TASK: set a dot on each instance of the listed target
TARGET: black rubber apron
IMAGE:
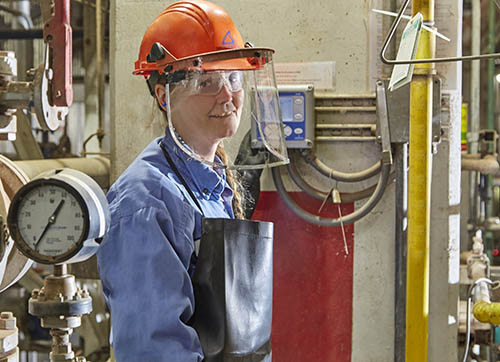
(233, 287)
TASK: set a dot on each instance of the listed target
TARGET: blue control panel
(297, 114)
(293, 111)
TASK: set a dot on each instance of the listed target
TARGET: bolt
(7, 321)
(58, 94)
(6, 315)
(63, 348)
(34, 293)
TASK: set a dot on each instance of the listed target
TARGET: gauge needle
(52, 219)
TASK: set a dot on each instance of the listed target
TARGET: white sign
(319, 74)
(402, 73)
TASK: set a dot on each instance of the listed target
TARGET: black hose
(314, 161)
(347, 219)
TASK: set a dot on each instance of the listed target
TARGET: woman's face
(209, 110)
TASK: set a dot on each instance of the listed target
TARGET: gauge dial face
(51, 222)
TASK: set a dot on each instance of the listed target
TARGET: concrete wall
(299, 31)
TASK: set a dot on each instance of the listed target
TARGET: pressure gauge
(57, 217)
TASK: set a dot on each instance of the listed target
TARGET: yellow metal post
(419, 190)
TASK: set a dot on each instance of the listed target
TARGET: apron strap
(181, 179)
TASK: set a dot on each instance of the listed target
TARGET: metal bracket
(436, 111)
(383, 123)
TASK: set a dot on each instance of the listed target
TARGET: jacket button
(205, 191)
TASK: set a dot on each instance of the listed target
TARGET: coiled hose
(320, 195)
(311, 158)
(318, 220)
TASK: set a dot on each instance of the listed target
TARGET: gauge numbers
(50, 220)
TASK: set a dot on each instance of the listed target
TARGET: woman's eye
(234, 77)
(205, 83)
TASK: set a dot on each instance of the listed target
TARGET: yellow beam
(419, 191)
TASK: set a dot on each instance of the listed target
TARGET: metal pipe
(401, 249)
(345, 138)
(475, 87)
(31, 34)
(491, 66)
(100, 70)
(419, 187)
(97, 167)
(371, 126)
(345, 109)
(491, 112)
(344, 96)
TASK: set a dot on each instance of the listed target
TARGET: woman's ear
(160, 96)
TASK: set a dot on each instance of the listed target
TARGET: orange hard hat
(189, 29)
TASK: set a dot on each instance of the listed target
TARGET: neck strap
(181, 179)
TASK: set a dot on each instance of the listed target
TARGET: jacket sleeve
(143, 264)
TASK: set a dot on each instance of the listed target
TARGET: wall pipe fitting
(311, 158)
(347, 219)
(419, 192)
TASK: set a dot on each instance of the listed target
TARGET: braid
(233, 182)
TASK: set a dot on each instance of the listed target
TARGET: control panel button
(298, 116)
(298, 100)
(298, 131)
(288, 131)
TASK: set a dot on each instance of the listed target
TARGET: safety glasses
(211, 82)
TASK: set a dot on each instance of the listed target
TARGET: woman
(180, 190)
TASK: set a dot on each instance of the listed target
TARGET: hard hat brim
(232, 59)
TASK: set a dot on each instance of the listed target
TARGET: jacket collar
(207, 181)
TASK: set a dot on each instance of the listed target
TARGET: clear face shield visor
(228, 97)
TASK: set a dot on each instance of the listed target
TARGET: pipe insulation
(487, 165)
(95, 167)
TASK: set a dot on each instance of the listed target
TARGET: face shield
(213, 97)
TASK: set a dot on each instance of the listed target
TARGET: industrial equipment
(56, 219)
(297, 113)
(77, 213)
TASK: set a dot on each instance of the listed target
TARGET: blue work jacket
(146, 259)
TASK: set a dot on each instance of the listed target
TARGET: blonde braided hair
(233, 180)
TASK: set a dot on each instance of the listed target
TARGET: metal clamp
(383, 124)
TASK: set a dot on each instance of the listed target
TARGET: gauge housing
(91, 203)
